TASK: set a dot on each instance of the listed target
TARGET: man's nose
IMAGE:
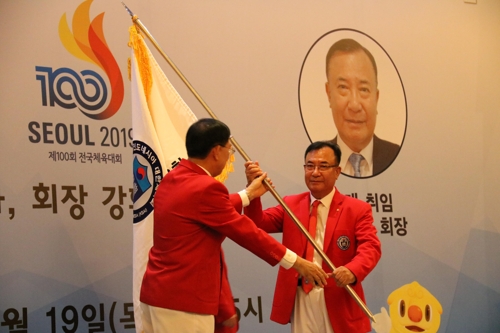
(354, 103)
(316, 171)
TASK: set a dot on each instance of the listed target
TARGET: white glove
(382, 322)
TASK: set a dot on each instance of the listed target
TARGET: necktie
(313, 218)
(355, 160)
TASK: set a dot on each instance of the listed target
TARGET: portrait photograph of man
(368, 128)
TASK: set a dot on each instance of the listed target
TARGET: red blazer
(193, 215)
(348, 219)
(226, 300)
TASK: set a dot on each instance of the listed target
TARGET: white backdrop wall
(73, 272)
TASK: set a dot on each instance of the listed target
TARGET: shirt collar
(326, 200)
(367, 153)
(208, 173)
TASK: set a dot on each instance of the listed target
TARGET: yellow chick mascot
(412, 308)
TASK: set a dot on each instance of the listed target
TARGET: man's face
(320, 183)
(353, 96)
(223, 156)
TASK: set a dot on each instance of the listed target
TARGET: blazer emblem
(343, 243)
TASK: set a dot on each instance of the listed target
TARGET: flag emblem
(141, 179)
(148, 174)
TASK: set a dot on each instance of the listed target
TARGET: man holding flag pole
(160, 119)
(173, 298)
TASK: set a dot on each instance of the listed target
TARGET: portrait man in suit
(342, 226)
(352, 90)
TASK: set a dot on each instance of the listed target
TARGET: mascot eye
(427, 313)
(402, 308)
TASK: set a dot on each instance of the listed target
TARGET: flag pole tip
(127, 9)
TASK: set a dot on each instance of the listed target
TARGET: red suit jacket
(193, 214)
(350, 241)
(226, 299)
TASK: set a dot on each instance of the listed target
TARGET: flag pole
(137, 22)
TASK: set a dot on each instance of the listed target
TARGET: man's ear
(339, 170)
(215, 152)
(327, 90)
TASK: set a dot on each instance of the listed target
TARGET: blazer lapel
(303, 216)
(333, 218)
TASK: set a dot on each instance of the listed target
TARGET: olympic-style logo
(55, 84)
(86, 90)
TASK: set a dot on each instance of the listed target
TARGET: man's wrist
(289, 259)
(248, 195)
(244, 198)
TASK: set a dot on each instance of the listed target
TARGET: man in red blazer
(346, 234)
(185, 276)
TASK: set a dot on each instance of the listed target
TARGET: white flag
(160, 120)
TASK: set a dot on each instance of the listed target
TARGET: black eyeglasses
(321, 167)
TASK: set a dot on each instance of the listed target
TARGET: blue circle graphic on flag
(148, 174)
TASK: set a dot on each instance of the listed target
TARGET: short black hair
(205, 134)
(349, 46)
(317, 145)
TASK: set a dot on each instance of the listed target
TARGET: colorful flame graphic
(87, 43)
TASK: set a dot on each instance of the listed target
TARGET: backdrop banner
(67, 151)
